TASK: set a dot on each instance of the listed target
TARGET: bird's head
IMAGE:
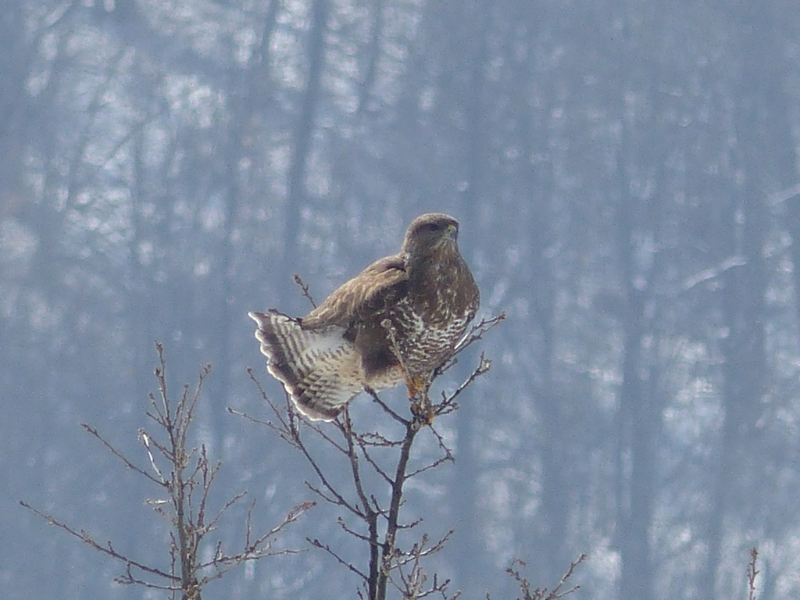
(431, 232)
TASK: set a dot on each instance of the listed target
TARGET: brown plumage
(397, 320)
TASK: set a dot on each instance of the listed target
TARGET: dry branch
(184, 476)
(752, 574)
(543, 593)
(375, 509)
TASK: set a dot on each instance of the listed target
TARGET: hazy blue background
(626, 178)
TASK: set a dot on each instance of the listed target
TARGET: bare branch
(385, 406)
(544, 593)
(145, 440)
(373, 456)
(477, 332)
(359, 536)
(107, 548)
(254, 549)
(289, 432)
(213, 522)
(299, 281)
(443, 459)
(388, 546)
(317, 544)
(785, 195)
(713, 272)
(92, 431)
(363, 443)
(448, 405)
(410, 579)
(188, 475)
(370, 515)
(337, 501)
(752, 574)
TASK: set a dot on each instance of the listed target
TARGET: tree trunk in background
(764, 155)
(302, 143)
(14, 71)
(545, 545)
(744, 368)
(635, 456)
(544, 541)
(744, 230)
(248, 100)
(373, 55)
(766, 83)
(471, 556)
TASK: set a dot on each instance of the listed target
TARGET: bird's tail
(319, 368)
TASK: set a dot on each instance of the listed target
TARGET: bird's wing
(358, 295)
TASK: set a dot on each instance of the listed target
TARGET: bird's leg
(421, 406)
(416, 385)
(412, 384)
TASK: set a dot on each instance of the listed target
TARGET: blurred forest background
(626, 178)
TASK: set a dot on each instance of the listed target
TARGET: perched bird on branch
(398, 320)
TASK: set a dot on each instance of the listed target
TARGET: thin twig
(363, 455)
(188, 475)
(299, 281)
(372, 394)
(544, 593)
(752, 574)
(107, 548)
(317, 544)
(92, 431)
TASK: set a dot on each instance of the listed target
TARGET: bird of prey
(398, 320)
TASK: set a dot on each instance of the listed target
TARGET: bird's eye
(433, 227)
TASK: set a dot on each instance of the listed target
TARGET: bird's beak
(452, 232)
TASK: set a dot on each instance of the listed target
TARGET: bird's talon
(423, 411)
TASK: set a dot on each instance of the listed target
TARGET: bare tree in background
(563, 588)
(184, 475)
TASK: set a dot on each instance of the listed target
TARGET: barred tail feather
(319, 368)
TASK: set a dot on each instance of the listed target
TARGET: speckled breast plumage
(428, 333)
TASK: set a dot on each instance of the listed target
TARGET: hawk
(398, 320)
